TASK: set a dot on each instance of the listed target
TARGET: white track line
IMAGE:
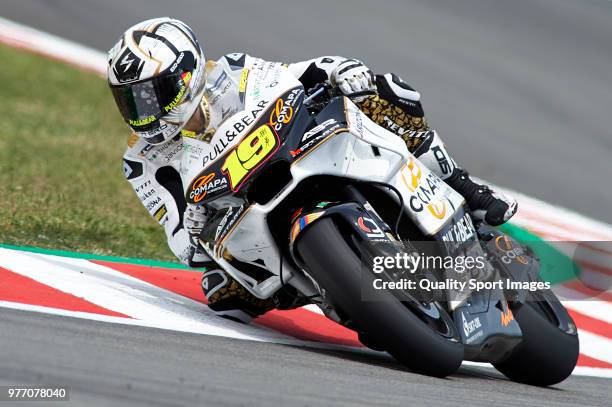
(555, 232)
(595, 346)
(21, 36)
(578, 370)
(547, 212)
(127, 295)
(152, 324)
(595, 280)
(593, 372)
(595, 309)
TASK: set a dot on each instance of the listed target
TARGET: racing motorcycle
(308, 191)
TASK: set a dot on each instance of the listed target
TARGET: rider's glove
(197, 257)
(195, 218)
(352, 76)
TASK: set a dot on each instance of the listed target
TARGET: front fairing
(208, 166)
(338, 141)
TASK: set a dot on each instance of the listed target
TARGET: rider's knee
(432, 152)
(229, 299)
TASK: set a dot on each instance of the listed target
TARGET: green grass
(61, 177)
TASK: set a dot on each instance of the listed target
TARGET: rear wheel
(334, 264)
(547, 355)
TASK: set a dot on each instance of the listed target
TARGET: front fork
(356, 212)
(361, 218)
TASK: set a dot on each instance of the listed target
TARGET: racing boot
(485, 204)
(226, 297)
(230, 300)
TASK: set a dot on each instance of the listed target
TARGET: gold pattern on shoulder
(132, 140)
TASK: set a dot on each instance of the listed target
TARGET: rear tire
(335, 266)
(546, 356)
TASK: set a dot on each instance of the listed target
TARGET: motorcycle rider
(166, 90)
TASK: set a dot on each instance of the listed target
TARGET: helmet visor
(142, 104)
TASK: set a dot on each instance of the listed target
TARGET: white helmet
(157, 74)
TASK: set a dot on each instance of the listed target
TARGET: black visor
(143, 103)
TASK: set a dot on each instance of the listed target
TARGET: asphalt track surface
(521, 91)
(106, 364)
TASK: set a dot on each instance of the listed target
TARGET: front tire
(546, 356)
(335, 266)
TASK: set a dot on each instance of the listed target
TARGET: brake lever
(361, 94)
(333, 91)
(310, 98)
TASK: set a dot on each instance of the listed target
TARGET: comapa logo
(281, 114)
(205, 184)
(283, 110)
(511, 252)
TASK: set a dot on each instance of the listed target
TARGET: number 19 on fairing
(250, 153)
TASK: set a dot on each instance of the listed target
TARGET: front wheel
(332, 262)
(546, 355)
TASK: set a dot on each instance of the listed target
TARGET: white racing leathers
(153, 173)
(154, 170)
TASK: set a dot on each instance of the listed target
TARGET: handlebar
(314, 94)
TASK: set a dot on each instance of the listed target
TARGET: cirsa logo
(437, 209)
(506, 317)
(411, 174)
